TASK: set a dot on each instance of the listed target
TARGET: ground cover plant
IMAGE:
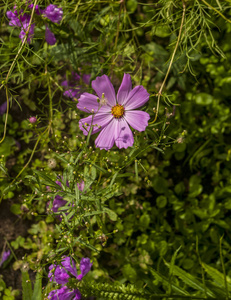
(115, 149)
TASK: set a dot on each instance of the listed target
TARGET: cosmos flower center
(117, 111)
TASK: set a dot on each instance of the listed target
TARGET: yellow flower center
(117, 111)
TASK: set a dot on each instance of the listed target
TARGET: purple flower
(64, 293)
(85, 267)
(5, 256)
(49, 36)
(59, 202)
(60, 274)
(3, 108)
(38, 11)
(75, 89)
(24, 29)
(112, 115)
(53, 13)
(17, 18)
(32, 120)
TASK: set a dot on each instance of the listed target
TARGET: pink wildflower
(112, 115)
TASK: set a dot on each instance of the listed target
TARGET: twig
(171, 62)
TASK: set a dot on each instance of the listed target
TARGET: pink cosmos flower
(112, 115)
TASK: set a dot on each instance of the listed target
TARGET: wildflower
(24, 29)
(17, 19)
(53, 13)
(75, 89)
(64, 293)
(3, 108)
(59, 202)
(38, 11)
(49, 36)
(33, 120)
(60, 274)
(85, 267)
(22, 20)
(5, 256)
(116, 114)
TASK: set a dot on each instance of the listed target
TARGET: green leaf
(165, 281)
(112, 215)
(203, 99)
(190, 280)
(37, 293)
(26, 286)
(217, 276)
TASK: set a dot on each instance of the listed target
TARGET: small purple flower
(75, 89)
(5, 256)
(85, 267)
(17, 19)
(59, 202)
(38, 11)
(59, 274)
(49, 36)
(64, 293)
(53, 13)
(33, 120)
(112, 115)
(3, 108)
(24, 29)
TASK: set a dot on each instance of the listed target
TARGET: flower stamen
(117, 111)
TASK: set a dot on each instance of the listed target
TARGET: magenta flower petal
(125, 88)
(64, 293)
(123, 135)
(105, 139)
(24, 30)
(137, 119)
(81, 186)
(103, 85)
(3, 108)
(69, 265)
(87, 102)
(50, 37)
(72, 93)
(5, 256)
(85, 267)
(86, 78)
(101, 120)
(60, 275)
(53, 13)
(136, 98)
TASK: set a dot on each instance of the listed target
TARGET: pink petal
(87, 102)
(125, 88)
(123, 135)
(99, 119)
(105, 139)
(137, 119)
(136, 98)
(103, 85)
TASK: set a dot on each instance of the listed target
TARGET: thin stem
(217, 11)
(11, 69)
(170, 64)
(32, 154)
